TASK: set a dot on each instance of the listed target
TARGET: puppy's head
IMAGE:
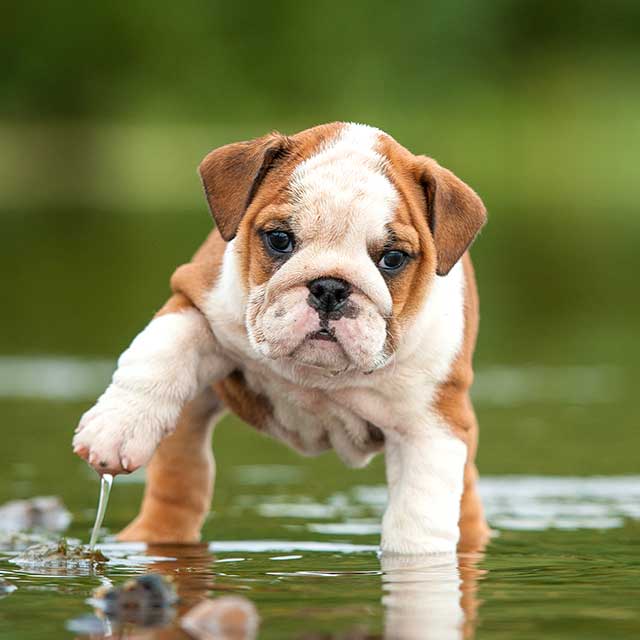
(339, 232)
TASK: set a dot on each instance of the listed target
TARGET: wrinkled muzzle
(295, 324)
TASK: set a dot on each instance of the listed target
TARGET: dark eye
(279, 241)
(393, 260)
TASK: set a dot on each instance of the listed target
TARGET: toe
(81, 450)
(105, 463)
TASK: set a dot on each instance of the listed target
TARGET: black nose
(328, 294)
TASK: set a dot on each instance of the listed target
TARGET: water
(556, 399)
(106, 480)
(564, 563)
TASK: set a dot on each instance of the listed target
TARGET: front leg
(425, 470)
(179, 478)
(166, 366)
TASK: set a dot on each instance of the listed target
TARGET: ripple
(518, 503)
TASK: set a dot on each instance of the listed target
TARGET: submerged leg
(180, 476)
(434, 504)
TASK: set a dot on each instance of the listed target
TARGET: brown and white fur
(239, 333)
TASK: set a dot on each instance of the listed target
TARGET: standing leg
(180, 478)
(425, 476)
(433, 505)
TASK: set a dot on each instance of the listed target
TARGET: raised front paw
(121, 432)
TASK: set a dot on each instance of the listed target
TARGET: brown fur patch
(249, 406)
(454, 404)
(455, 212)
(271, 200)
(176, 303)
(232, 174)
(453, 396)
(409, 288)
(179, 483)
(198, 277)
(192, 281)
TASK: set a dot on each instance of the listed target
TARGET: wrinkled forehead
(341, 193)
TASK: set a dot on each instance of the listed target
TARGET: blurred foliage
(113, 104)
(288, 60)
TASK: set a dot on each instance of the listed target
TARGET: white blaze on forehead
(341, 192)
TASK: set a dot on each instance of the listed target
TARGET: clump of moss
(6, 587)
(61, 553)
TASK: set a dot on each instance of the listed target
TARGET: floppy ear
(455, 212)
(232, 174)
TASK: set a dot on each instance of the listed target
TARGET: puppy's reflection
(431, 596)
(189, 566)
(424, 597)
(190, 569)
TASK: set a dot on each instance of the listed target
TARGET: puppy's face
(335, 243)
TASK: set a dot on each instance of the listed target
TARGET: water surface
(563, 562)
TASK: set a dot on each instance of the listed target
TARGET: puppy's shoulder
(197, 278)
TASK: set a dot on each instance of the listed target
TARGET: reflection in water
(350, 593)
(333, 585)
(431, 596)
(231, 617)
(189, 567)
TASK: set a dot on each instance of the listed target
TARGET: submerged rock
(224, 618)
(146, 601)
(47, 513)
(88, 625)
(60, 554)
(19, 541)
(6, 588)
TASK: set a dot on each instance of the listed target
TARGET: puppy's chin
(323, 354)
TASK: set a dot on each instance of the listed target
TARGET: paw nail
(125, 463)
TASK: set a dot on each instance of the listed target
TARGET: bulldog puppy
(334, 306)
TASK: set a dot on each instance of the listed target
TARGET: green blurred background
(107, 108)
